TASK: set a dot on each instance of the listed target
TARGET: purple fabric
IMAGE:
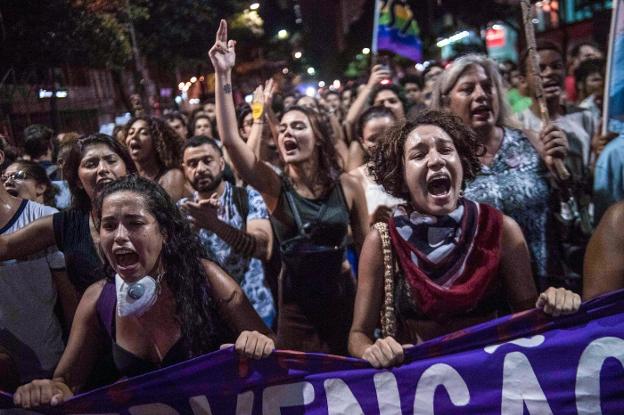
(105, 308)
(392, 40)
(567, 365)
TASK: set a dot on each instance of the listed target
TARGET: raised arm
(29, 240)
(378, 73)
(250, 168)
(263, 97)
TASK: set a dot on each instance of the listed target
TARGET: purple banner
(526, 363)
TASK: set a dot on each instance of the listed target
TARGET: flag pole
(562, 172)
(375, 31)
(607, 87)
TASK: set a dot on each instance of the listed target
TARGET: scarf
(449, 262)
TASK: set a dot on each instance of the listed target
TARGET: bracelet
(240, 241)
(258, 122)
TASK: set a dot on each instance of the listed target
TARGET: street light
(311, 71)
(298, 55)
(282, 34)
(254, 6)
(366, 51)
(321, 84)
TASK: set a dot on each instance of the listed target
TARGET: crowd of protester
(358, 222)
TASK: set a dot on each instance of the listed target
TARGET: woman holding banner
(458, 263)
(161, 303)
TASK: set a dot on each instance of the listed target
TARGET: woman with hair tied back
(311, 205)
(442, 262)
(93, 161)
(28, 180)
(515, 164)
(160, 303)
(156, 150)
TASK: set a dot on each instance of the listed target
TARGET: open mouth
(551, 85)
(290, 145)
(12, 191)
(125, 257)
(134, 146)
(482, 111)
(439, 185)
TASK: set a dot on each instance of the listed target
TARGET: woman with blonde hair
(515, 166)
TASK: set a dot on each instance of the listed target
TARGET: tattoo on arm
(227, 88)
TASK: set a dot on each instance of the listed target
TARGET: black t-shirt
(73, 238)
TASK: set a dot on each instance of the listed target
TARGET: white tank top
(375, 194)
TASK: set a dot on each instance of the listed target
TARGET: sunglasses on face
(19, 175)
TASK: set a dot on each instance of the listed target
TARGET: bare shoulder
(511, 229)
(373, 243)
(92, 294)
(172, 176)
(350, 184)
(613, 217)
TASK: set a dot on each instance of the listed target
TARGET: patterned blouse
(516, 184)
(248, 272)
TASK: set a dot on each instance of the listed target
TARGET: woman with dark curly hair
(161, 303)
(156, 150)
(28, 180)
(92, 162)
(312, 204)
(458, 261)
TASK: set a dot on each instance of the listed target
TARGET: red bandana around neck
(472, 273)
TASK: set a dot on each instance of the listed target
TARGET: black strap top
(127, 363)
(336, 215)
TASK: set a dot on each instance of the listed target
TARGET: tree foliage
(95, 33)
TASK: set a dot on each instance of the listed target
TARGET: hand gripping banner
(526, 363)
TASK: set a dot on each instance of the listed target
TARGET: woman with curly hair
(156, 150)
(458, 262)
(312, 204)
(28, 180)
(160, 303)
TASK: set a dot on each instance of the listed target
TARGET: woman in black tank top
(314, 197)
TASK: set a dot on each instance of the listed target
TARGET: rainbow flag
(396, 30)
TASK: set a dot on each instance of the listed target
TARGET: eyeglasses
(19, 175)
